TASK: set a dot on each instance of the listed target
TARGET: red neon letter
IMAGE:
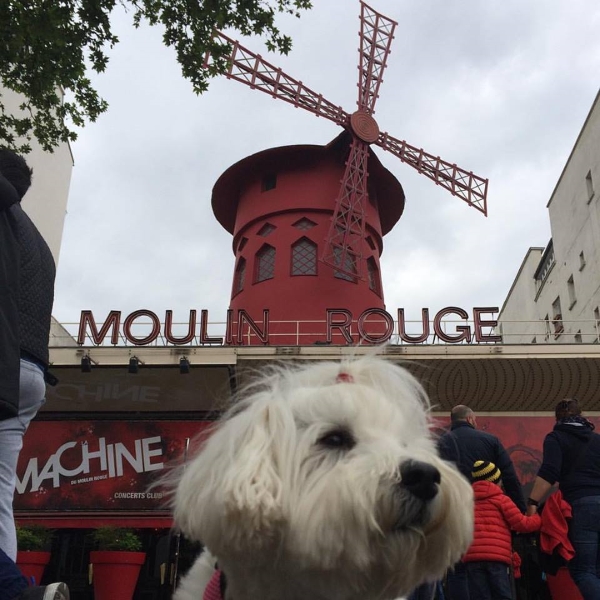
(263, 335)
(343, 326)
(128, 322)
(376, 339)
(229, 329)
(479, 325)
(204, 339)
(464, 329)
(169, 329)
(87, 318)
(413, 339)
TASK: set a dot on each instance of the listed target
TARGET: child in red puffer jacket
(489, 557)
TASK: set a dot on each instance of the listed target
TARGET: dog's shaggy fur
(325, 487)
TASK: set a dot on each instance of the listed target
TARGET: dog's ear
(253, 485)
(231, 492)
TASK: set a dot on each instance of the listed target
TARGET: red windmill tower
(285, 206)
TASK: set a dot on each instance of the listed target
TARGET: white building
(46, 199)
(555, 297)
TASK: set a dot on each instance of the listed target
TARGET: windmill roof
(226, 191)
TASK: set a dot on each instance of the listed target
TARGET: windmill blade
(247, 67)
(343, 245)
(464, 184)
(376, 35)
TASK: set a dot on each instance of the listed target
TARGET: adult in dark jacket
(463, 445)
(572, 458)
(9, 313)
(26, 296)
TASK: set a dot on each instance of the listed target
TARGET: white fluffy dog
(324, 483)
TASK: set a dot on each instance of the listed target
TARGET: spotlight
(134, 363)
(184, 365)
(86, 364)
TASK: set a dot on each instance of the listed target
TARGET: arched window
(240, 275)
(373, 273)
(304, 257)
(304, 224)
(269, 182)
(266, 229)
(265, 263)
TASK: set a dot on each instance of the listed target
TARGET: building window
(571, 292)
(269, 182)
(546, 263)
(304, 224)
(581, 260)
(349, 265)
(266, 230)
(304, 257)
(534, 340)
(557, 317)
(373, 273)
(597, 323)
(590, 185)
(240, 275)
(242, 244)
(265, 263)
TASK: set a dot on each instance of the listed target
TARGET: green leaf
(50, 45)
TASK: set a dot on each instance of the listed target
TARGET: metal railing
(298, 333)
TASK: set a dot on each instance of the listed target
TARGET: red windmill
(344, 247)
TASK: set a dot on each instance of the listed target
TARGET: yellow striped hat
(484, 470)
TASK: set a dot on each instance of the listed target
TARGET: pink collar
(213, 589)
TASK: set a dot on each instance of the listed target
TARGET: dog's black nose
(420, 479)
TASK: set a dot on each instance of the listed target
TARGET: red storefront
(91, 455)
(104, 436)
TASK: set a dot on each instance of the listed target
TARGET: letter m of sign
(87, 318)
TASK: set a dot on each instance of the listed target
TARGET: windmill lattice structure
(347, 230)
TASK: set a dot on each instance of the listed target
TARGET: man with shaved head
(464, 444)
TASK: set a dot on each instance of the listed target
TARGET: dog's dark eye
(338, 438)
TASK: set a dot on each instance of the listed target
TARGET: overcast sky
(500, 88)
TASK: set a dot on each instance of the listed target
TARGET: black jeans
(428, 591)
(489, 580)
(12, 583)
(456, 582)
(584, 533)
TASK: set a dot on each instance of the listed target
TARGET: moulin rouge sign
(374, 326)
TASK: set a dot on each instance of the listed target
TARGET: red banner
(98, 465)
